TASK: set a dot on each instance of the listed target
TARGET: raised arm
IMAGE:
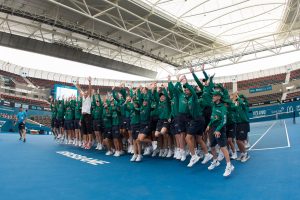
(90, 87)
(196, 79)
(79, 88)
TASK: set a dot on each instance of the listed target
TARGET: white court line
(269, 148)
(262, 135)
(287, 134)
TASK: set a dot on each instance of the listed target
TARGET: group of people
(170, 120)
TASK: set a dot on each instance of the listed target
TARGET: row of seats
(16, 77)
(263, 81)
(24, 100)
(44, 120)
(265, 98)
(295, 74)
(293, 95)
(43, 83)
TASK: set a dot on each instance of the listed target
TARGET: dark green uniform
(69, 115)
(195, 106)
(218, 123)
(107, 122)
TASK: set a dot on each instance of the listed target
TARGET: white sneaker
(220, 156)
(134, 157)
(139, 158)
(214, 163)
(170, 153)
(228, 170)
(207, 158)
(179, 154)
(117, 154)
(175, 153)
(79, 144)
(155, 152)
(129, 148)
(154, 145)
(97, 146)
(247, 145)
(108, 153)
(245, 158)
(183, 156)
(194, 160)
(161, 152)
(234, 156)
(100, 147)
(165, 153)
(147, 151)
(240, 156)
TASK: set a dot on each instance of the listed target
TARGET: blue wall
(262, 113)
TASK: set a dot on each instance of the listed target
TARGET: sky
(57, 65)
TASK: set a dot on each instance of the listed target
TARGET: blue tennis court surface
(36, 171)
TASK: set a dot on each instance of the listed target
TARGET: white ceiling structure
(161, 35)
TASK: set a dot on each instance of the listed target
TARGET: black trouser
(86, 124)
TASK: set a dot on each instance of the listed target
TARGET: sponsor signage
(260, 89)
(81, 158)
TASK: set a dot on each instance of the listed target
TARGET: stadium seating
(295, 74)
(16, 77)
(263, 81)
(30, 101)
(44, 120)
(293, 95)
(228, 86)
(265, 98)
(43, 83)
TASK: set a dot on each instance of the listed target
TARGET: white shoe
(228, 170)
(108, 153)
(240, 156)
(213, 164)
(220, 156)
(233, 156)
(100, 147)
(245, 158)
(247, 145)
(165, 153)
(179, 154)
(183, 156)
(207, 158)
(129, 148)
(117, 154)
(79, 144)
(161, 152)
(194, 160)
(175, 153)
(170, 153)
(147, 151)
(133, 158)
(139, 158)
(155, 152)
(154, 145)
(97, 146)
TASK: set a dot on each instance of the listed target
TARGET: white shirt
(86, 105)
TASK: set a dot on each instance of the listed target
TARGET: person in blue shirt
(21, 120)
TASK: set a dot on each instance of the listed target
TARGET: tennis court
(38, 170)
